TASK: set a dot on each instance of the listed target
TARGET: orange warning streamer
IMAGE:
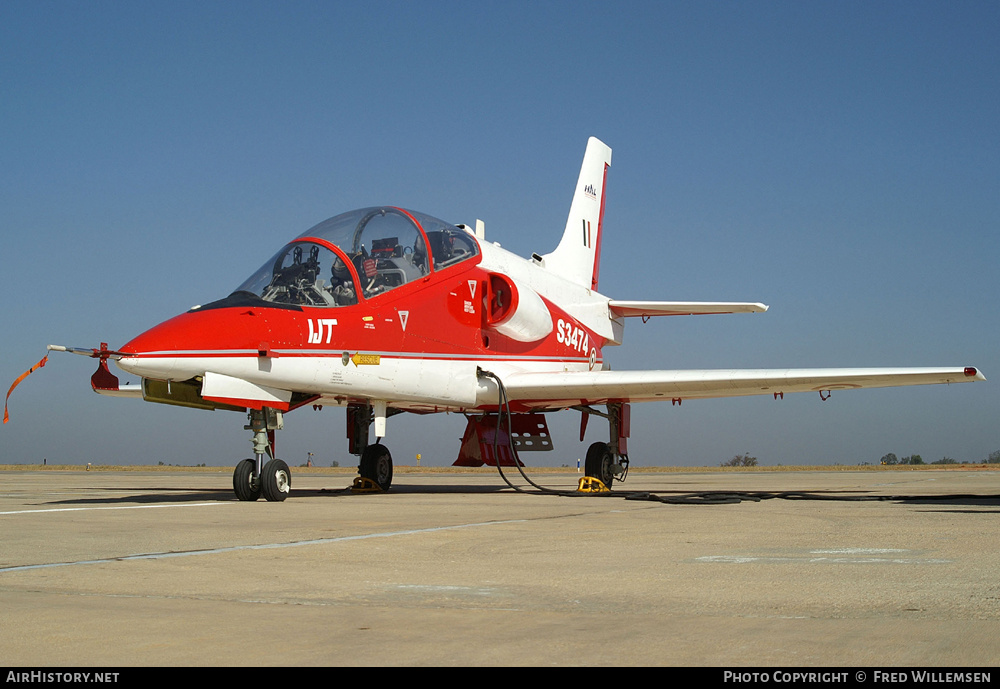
(18, 382)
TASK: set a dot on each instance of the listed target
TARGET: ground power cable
(701, 498)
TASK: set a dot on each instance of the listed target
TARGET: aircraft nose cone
(153, 354)
(166, 350)
(185, 345)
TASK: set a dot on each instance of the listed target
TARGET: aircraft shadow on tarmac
(161, 494)
(940, 500)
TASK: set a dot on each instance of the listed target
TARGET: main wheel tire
(376, 464)
(246, 484)
(600, 463)
(276, 480)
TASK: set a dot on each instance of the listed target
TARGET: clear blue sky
(838, 161)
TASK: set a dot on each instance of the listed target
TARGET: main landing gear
(609, 461)
(376, 465)
(253, 477)
(376, 461)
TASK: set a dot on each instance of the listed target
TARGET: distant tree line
(891, 459)
(744, 460)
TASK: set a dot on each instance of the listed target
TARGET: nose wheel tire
(600, 463)
(276, 480)
(376, 464)
(246, 484)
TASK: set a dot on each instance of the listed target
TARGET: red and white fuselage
(416, 347)
(388, 308)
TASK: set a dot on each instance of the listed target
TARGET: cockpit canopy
(377, 249)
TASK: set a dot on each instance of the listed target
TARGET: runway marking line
(261, 546)
(116, 507)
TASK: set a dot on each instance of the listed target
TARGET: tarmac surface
(150, 568)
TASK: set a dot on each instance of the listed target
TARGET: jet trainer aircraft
(387, 310)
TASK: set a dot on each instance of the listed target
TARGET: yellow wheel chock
(591, 484)
(365, 485)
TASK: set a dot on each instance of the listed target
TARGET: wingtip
(974, 373)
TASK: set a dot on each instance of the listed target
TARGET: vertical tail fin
(577, 258)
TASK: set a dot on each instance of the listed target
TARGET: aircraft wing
(558, 390)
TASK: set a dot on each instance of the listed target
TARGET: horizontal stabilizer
(646, 309)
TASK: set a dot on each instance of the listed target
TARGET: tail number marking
(572, 336)
(317, 326)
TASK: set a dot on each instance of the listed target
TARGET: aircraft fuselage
(416, 346)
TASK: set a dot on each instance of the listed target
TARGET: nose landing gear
(252, 477)
(246, 481)
(276, 481)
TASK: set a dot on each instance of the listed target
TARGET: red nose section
(217, 331)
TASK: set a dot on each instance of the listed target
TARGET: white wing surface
(559, 390)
